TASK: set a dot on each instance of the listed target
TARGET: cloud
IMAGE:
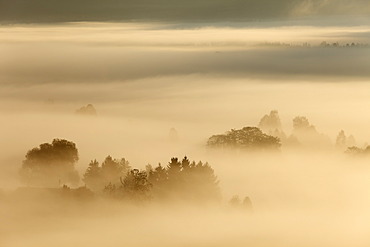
(332, 7)
(172, 10)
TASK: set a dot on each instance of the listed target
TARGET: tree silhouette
(235, 201)
(247, 204)
(179, 180)
(358, 152)
(135, 185)
(51, 164)
(158, 175)
(302, 124)
(185, 180)
(270, 123)
(87, 110)
(174, 169)
(93, 176)
(343, 142)
(111, 171)
(305, 135)
(246, 138)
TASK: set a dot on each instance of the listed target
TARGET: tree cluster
(270, 136)
(179, 180)
(347, 45)
(237, 203)
(51, 164)
(110, 171)
(271, 125)
(88, 110)
(323, 44)
(358, 152)
(343, 142)
(184, 180)
(246, 138)
(304, 134)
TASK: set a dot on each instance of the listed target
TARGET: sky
(53, 11)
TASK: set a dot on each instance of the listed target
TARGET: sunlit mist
(185, 129)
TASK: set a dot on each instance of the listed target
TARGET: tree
(51, 164)
(87, 110)
(341, 141)
(307, 135)
(184, 180)
(235, 201)
(174, 167)
(270, 123)
(93, 176)
(302, 124)
(358, 152)
(246, 138)
(111, 171)
(202, 182)
(158, 175)
(135, 186)
(173, 136)
(247, 204)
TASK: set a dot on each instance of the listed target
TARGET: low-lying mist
(149, 93)
(87, 53)
(298, 199)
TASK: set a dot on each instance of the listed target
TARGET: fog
(102, 52)
(159, 91)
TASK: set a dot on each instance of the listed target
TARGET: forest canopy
(178, 181)
(52, 165)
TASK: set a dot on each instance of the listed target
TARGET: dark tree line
(184, 180)
(52, 165)
(179, 180)
(323, 44)
(357, 151)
